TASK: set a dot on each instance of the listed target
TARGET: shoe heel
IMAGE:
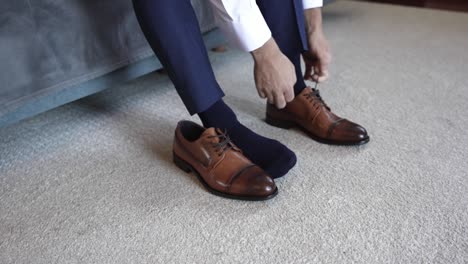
(279, 123)
(181, 164)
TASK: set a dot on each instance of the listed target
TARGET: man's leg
(286, 21)
(172, 30)
(286, 24)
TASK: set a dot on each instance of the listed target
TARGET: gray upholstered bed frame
(54, 52)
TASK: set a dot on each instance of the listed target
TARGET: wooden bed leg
(220, 48)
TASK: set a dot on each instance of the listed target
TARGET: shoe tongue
(310, 89)
(306, 90)
(212, 133)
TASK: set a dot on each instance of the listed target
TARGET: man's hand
(275, 75)
(317, 59)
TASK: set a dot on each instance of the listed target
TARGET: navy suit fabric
(172, 30)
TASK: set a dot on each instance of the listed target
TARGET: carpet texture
(93, 181)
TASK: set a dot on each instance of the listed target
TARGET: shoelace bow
(315, 98)
(224, 142)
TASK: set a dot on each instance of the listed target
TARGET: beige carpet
(93, 181)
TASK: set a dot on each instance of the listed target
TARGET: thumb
(324, 74)
(316, 75)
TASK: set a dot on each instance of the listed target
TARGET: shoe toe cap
(350, 132)
(254, 182)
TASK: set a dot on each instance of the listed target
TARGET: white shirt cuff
(242, 23)
(312, 3)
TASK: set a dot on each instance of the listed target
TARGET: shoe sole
(186, 167)
(291, 124)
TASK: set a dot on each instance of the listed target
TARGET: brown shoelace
(315, 98)
(224, 142)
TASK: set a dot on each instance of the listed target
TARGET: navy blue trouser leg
(171, 28)
(285, 18)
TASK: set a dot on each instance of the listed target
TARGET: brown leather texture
(220, 164)
(309, 111)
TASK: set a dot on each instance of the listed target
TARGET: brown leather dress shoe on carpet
(219, 164)
(309, 112)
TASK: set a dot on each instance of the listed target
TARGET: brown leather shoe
(219, 164)
(309, 112)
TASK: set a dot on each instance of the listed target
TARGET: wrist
(269, 49)
(313, 20)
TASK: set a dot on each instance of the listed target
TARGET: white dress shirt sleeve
(312, 3)
(243, 24)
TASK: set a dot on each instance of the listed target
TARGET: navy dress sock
(295, 58)
(272, 156)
